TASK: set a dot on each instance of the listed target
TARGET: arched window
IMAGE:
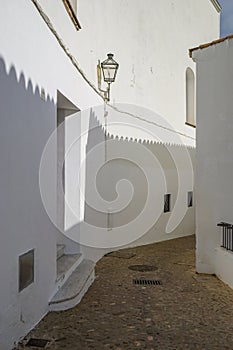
(190, 97)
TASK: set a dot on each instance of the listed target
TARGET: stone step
(72, 291)
(60, 250)
(66, 265)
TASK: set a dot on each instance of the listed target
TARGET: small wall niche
(167, 203)
(26, 269)
(190, 199)
(190, 98)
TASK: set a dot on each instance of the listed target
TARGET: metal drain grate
(147, 282)
(38, 343)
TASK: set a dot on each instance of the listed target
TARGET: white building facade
(214, 165)
(49, 54)
(38, 83)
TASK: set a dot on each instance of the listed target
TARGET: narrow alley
(182, 310)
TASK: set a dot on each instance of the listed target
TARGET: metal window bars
(227, 235)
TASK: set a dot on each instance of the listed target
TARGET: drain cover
(38, 343)
(143, 268)
(147, 282)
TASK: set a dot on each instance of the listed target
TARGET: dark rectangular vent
(167, 203)
(26, 269)
(190, 199)
(147, 282)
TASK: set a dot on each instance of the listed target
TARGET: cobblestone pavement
(187, 311)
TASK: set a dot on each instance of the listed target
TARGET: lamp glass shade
(109, 69)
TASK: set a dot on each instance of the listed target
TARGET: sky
(226, 17)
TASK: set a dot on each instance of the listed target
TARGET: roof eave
(212, 43)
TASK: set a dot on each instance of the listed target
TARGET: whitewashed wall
(123, 183)
(30, 59)
(214, 167)
(152, 74)
(150, 41)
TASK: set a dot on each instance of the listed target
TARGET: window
(71, 8)
(190, 98)
(190, 199)
(26, 269)
(167, 200)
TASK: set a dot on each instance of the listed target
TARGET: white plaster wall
(153, 59)
(30, 59)
(214, 166)
(150, 41)
(37, 58)
(27, 121)
(223, 265)
(128, 160)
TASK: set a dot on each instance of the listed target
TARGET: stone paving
(187, 311)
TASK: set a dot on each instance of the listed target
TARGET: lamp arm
(108, 92)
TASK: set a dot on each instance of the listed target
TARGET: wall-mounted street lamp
(109, 69)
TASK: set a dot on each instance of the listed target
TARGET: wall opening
(190, 98)
(167, 203)
(26, 269)
(65, 108)
(190, 199)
